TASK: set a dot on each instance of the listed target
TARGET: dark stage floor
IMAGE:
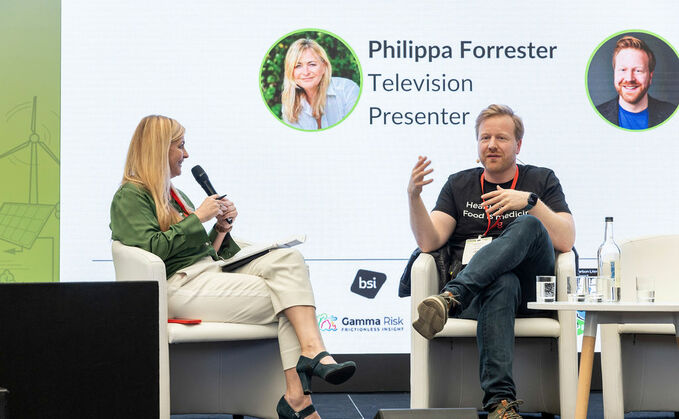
(366, 405)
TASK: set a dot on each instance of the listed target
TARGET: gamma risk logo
(368, 283)
(326, 322)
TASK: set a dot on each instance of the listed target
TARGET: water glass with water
(577, 286)
(595, 289)
(545, 289)
(645, 289)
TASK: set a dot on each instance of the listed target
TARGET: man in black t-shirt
(503, 222)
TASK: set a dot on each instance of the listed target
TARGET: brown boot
(433, 314)
(505, 410)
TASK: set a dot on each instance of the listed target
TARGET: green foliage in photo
(343, 62)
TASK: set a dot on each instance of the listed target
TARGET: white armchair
(214, 367)
(640, 362)
(445, 370)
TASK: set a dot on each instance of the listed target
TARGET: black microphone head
(198, 172)
(202, 179)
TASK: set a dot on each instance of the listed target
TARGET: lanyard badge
(498, 223)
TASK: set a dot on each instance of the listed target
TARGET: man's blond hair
(500, 110)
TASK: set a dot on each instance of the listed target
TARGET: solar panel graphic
(21, 223)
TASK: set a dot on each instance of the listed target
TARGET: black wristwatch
(532, 200)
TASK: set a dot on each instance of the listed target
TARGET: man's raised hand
(417, 177)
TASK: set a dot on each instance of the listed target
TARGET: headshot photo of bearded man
(645, 82)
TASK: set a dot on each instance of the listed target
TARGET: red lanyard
(497, 223)
(179, 202)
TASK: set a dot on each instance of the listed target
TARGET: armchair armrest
(135, 264)
(424, 280)
(564, 266)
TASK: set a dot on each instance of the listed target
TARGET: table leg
(585, 377)
(676, 326)
(586, 362)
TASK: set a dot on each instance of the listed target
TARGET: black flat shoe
(332, 373)
(286, 412)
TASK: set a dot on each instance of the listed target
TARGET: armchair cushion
(528, 327)
(216, 332)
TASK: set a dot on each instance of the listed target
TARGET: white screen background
(345, 187)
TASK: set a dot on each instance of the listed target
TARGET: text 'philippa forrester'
(407, 51)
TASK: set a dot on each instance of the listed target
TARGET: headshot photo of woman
(312, 98)
(317, 91)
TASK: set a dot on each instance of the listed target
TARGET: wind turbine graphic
(33, 142)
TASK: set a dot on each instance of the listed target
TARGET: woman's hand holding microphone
(226, 219)
(222, 209)
(209, 209)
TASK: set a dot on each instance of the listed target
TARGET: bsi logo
(368, 283)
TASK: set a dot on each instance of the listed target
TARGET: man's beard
(631, 97)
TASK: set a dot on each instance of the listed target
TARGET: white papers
(257, 249)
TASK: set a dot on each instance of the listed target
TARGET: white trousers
(255, 293)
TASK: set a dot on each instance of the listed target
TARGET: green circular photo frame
(342, 57)
(589, 77)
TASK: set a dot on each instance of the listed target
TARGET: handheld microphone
(202, 179)
(204, 182)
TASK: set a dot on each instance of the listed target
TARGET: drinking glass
(545, 289)
(645, 289)
(576, 289)
(595, 289)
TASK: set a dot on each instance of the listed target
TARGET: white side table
(601, 313)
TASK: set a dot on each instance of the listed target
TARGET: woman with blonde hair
(312, 99)
(147, 211)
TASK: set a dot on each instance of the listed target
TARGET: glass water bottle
(608, 258)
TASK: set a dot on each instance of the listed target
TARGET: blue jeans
(494, 288)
